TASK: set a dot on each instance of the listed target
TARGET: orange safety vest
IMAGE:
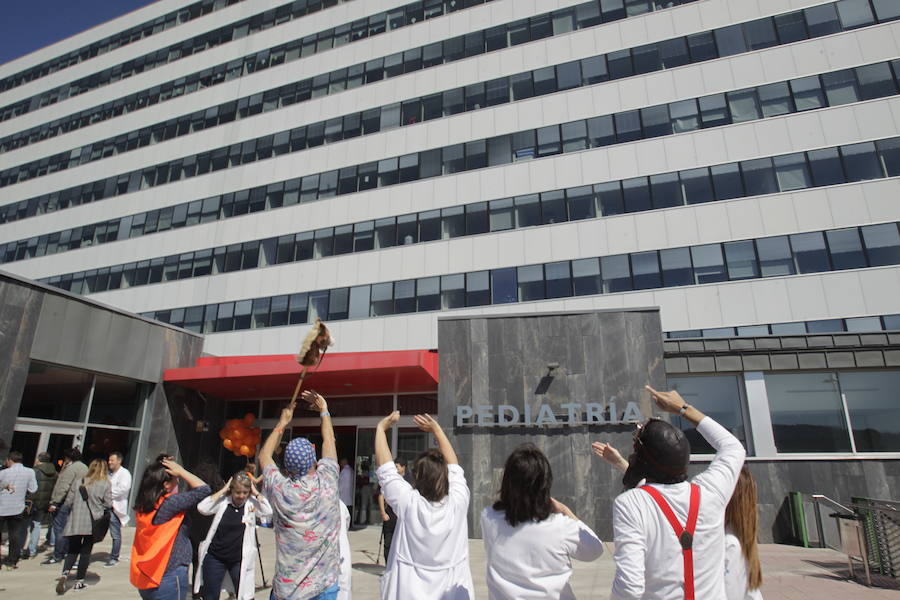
(152, 548)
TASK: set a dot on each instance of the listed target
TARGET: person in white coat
(346, 481)
(346, 576)
(651, 523)
(429, 558)
(120, 486)
(230, 544)
(530, 538)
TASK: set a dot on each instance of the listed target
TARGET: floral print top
(307, 522)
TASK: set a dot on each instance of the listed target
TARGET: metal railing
(881, 528)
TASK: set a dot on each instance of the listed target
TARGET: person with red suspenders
(669, 532)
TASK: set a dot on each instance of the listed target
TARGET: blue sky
(28, 25)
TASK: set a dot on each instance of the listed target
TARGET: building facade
(238, 168)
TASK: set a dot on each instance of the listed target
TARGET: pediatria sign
(507, 415)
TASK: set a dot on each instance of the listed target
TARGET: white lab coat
(648, 556)
(533, 560)
(120, 485)
(346, 479)
(429, 557)
(736, 571)
(253, 507)
(346, 573)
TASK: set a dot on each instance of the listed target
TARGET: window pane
(696, 185)
(478, 289)
(889, 152)
(503, 286)
(559, 280)
(882, 244)
(609, 198)
(405, 296)
(709, 266)
(719, 397)
(616, 273)
(428, 294)
(825, 326)
(636, 193)
(645, 270)
(666, 190)
(807, 93)
(359, 302)
(775, 257)
(846, 249)
(861, 162)
(871, 401)
(453, 291)
(741, 259)
(553, 207)
(840, 87)
(806, 413)
(744, 105)
(382, 299)
(676, 267)
(727, 181)
(810, 254)
(528, 211)
(759, 177)
(775, 99)
(685, 115)
(826, 167)
(855, 13)
(863, 324)
(791, 172)
(501, 214)
(586, 276)
(531, 283)
(581, 203)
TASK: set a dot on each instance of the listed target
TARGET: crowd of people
(674, 538)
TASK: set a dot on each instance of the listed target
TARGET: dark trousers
(214, 572)
(15, 527)
(80, 546)
(388, 533)
(60, 517)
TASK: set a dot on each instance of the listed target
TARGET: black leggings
(80, 546)
(214, 572)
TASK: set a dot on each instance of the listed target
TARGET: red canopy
(346, 373)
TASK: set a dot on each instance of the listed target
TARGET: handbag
(99, 526)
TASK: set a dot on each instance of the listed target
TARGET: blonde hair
(98, 471)
(742, 516)
(241, 478)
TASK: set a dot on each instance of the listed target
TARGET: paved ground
(790, 574)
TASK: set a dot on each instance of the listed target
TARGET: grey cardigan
(99, 498)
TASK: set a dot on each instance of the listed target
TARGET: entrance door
(33, 438)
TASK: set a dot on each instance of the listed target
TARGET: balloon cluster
(240, 437)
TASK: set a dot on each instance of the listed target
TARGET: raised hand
(173, 468)
(388, 422)
(426, 423)
(608, 453)
(315, 399)
(226, 486)
(668, 401)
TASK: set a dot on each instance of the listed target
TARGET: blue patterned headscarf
(299, 456)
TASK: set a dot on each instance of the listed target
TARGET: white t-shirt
(649, 563)
(736, 571)
(429, 557)
(534, 560)
(345, 579)
(345, 485)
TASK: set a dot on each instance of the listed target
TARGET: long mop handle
(298, 386)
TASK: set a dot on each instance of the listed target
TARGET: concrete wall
(45, 324)
(504, 360)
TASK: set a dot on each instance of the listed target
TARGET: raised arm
(265, 453)
(176, 470)
(382, 449)
(428, 424)
(329, 448)
(608, 453)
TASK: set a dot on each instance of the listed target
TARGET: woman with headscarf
(429, 556)
(306, 512)
(669, 532)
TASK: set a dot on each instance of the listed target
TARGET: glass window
(628, 126)
(407, 229)
(54, 393)
(775, 99)
(714, 111)
(478, 288)
(616, 273)
(789, 328)
(709, 266)
(574, 136)
(744, 105)
(676, 267)
(559, 280)
(428, 294)
(759, 177)
(702, 46)
(696, 185)
(822, 20)
(825, 326)
(861, 162)
(806, 412)
(760, 34)
(242, 310)
(299, 309)
(791, 172)
(318, 306)
(453, 291)
(645, 270)
(775, 257)
(727, 181)
(741, 260)
(405, 296)
(531, 283)
(685, 115)
(382, 298)
(593, 70)
(810, 254)
(655, 120)
(430, 224)
(553, 207)
(548, 141)
(730, 40)
(636, 193)
(753, 330)
(886, 10)
(882, 244)
(581, 203)
(717, 396)
(279, 311)
(452, 223)
(846, 249)
(502, 216)
(674, 52)
(619, 64)
(840, 87)
(476, 218)
(586, 276)
(601, 131)
(863, 324)
(854, 13)
(528, 211)
(666, 190)
(889, 152)
(807, 93)
(499, 150)
(825, 167)
(503, 285)
(873, 412)
(791, 27)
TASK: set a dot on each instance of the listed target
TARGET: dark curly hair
(525, 491)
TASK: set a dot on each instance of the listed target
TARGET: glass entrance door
(33, 438)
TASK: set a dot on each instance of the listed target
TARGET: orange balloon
(245, 450)
(248, 419)
(237, 434)
(232, 423)
(228, 443)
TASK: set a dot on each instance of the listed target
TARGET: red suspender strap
(685, 534)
